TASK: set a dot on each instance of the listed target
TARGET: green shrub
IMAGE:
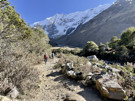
(90, 48)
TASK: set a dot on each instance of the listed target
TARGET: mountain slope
(101, 28)
(65, 24)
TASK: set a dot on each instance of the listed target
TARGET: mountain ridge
(65, 24)
(111, 22)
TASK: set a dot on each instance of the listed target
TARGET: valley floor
(55, 87)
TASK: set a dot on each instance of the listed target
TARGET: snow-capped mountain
(111, 22)
(65, 24)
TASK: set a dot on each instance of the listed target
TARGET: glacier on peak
(65, 24)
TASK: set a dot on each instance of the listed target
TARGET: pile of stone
(69, 71)
(106, 82)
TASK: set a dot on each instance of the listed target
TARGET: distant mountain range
(66, 24)
(98, 25)
(111, 22)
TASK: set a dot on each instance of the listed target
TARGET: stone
(109, 70)
(14, 93)
(71, 74)
(133, 77)
(70, 66)
(67, 67)
(74, 97)
(93, 57)
(105, 66)
(115, 70)
(88, 79)
(97, 64)
(131, 99)
(95, 77)
(91, 79)
(110, 88)
(88, 64)
(5, 98)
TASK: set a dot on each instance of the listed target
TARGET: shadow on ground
(89, 94)
(54, 74)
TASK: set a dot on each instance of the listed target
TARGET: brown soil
(54, 86)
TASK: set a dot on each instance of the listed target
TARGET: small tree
(122, 51)
(101, 48)
(114, 42)
(126, 36)
(90, 48)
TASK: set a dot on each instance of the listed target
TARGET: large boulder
(109, 88)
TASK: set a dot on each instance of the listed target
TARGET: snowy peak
(65, 24)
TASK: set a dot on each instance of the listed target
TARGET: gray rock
(88, 79)
(95, 77)
(70, 66)
(133, 77)
(71, 74)
(109, 70)
(131, 99)
(115, 70)
(5, 98)
(97, 64)
(14, 93)
(93, 57)
(110, 88)
(88, 64)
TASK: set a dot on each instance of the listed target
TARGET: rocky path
(55, 87)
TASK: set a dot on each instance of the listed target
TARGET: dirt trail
(55, 87)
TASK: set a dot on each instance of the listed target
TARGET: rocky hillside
(65, 24)
(111, 22)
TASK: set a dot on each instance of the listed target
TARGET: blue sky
(36, 10)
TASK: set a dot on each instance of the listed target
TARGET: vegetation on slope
(121, 50)
(20, 47)
(117, 50)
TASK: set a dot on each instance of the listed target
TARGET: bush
(21, 47)
(90, 48)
